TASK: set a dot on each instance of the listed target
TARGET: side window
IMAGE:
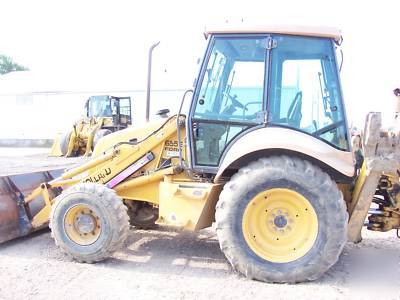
(124, 106)
(305, 91)
(305, 77)
(212, 140)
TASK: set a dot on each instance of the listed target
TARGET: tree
(7, 65)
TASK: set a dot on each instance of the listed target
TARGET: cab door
(229, 98)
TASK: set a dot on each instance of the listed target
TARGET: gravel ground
(172, 264)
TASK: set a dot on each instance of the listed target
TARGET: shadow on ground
(375, 261)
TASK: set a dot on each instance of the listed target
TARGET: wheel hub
(85, 223)
(280, 221)
(82, 225)
(280, 225)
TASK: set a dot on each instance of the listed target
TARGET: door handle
(195, 131)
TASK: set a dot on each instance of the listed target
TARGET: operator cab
(117, 108)
(254, 79)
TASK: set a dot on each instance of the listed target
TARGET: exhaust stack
(149, 80)
(396, 92)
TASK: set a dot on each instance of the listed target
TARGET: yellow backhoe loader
(104, 115)
(264, 152)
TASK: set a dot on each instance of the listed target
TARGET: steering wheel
(234, 101)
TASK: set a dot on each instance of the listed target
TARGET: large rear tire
(281, 219)
(142, 215)
(99, 134)
(64, 142)
(89, 222)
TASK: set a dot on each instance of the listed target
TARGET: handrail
(178, 125)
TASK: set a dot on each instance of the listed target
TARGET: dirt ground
(173, 264)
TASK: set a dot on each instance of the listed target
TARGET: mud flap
(15, 214)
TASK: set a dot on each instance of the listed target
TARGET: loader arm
(91, 131)
(122, 167)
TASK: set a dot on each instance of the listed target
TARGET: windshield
(304, 90)
(99, 106)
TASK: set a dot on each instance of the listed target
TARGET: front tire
(281, 219)
(89, 222)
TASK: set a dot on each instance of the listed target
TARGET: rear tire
(99, 134)
(299, 229)
(89, 222)
(142, 215)
(64, 142)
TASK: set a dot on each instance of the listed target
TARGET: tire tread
(300, 171)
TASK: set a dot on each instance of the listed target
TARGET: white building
(34, 106)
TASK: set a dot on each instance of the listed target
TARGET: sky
(93, 44)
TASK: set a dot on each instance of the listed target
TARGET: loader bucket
(15, 214)
(56, 147)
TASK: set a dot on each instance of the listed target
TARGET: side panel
(282, 138)
(190, 205)
(143, 184)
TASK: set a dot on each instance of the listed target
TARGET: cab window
(230, 96)
(304, 90)
(99, 106)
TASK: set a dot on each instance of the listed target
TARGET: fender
(284, 139)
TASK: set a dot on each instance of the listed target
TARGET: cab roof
(316, 31)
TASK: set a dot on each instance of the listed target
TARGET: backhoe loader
(103, 115)
(264, 153)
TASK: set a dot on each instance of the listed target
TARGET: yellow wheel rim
(82, 225)
(280, 225)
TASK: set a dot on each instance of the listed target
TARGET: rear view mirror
(163, 113)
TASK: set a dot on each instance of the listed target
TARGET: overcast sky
(105, 43)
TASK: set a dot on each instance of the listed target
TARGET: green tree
(7, 65)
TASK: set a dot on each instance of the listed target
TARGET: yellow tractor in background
(104, 115)
(264, 152)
